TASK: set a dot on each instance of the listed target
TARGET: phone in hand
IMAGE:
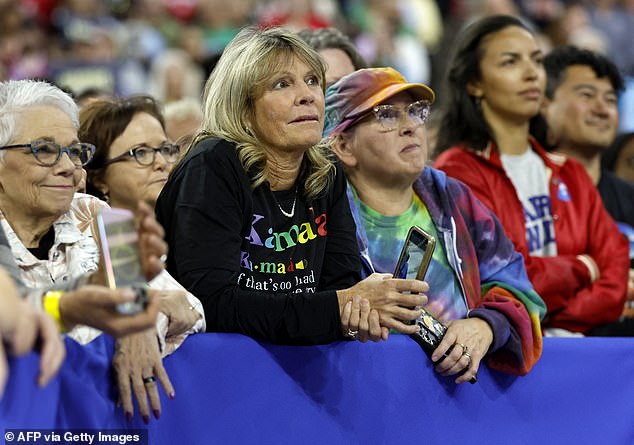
(415, 255)
(413, 263)
(122, 262)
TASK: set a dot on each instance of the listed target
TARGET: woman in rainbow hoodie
(477, 281)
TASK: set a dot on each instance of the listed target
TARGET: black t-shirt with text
(256, 270)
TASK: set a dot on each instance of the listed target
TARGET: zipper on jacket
(455, 261)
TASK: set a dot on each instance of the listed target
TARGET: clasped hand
(372, 307)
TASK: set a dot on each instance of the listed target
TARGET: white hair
(16, 96)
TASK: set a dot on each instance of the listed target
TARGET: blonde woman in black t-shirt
(256, 213)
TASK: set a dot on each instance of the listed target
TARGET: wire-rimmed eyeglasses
(389, 116)
(145, 155)
(48, 153)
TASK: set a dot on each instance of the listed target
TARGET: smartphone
(122, 262)
(413, 263)
(415, 255)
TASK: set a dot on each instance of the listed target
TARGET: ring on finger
(352, 334)
(466, 354)
(149, 380)
(465, 349)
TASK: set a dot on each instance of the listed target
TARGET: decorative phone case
(430, 332)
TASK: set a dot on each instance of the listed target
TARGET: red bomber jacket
(582, 228)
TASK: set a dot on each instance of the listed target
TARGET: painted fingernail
(157, 413)
(128, 416)
(146, 419)
(172, 395)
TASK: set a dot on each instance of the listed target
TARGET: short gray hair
(16, 96)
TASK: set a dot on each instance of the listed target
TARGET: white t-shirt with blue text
(530, 177)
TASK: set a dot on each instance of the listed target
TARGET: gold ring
(465, 349)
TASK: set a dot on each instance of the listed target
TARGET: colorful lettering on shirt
(283, 253)
(271, 267)
(280, 241)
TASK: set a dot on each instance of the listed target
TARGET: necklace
(284, 212)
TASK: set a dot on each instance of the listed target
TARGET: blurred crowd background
(167, 48)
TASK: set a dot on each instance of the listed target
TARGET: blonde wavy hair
(238, 79)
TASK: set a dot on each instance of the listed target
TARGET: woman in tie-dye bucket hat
(375, 123)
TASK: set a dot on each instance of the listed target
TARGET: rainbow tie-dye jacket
(490, 271)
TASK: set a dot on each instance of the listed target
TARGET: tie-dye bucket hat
(353, 95)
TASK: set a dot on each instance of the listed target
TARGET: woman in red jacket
(575, 256)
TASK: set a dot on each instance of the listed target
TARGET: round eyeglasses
(145, 155)
(389, 116)
(48, 153)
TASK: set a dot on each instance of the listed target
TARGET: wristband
(51, 307)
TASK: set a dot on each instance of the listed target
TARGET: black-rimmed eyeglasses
(48, 153)
(145, 155)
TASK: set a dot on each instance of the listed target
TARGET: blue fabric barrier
(231, 389)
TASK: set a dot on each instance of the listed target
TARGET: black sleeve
(342, 250)
(206, 209)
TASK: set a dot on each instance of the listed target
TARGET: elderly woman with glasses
(477, 282)
(131, 164)
(49, 229)
(41, 162)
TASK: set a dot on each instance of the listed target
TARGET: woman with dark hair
(133, 155)
(131, 162)
(574, 254)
